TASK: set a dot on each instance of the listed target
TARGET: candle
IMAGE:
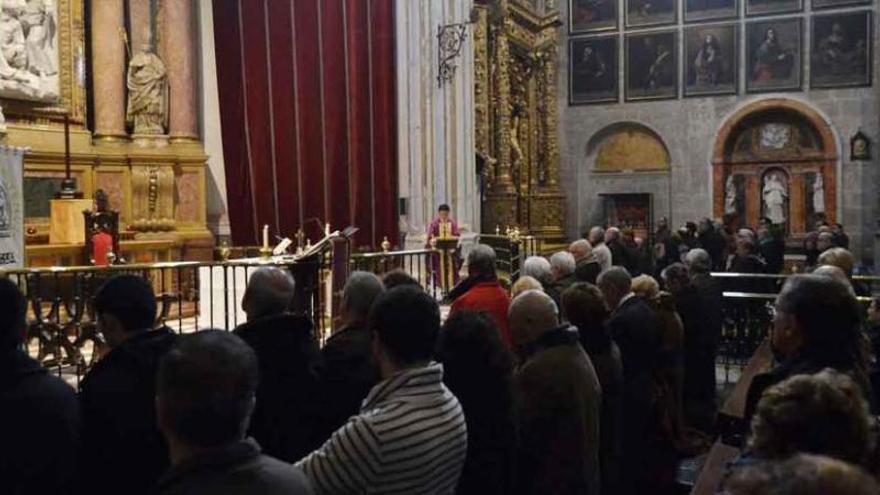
(266, 236)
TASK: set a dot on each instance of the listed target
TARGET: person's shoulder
(281, 477)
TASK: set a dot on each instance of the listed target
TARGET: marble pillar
(108, 69)
(140, 22)
(179, 31)
(212, 134)
(436, 150)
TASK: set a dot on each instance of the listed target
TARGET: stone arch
(775, 134)
(627, 147)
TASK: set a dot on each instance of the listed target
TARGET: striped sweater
(410, 437)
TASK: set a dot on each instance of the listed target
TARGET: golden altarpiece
(515, 64)
(158, 184)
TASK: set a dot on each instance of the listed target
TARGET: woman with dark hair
(478, 370)
(586, 309)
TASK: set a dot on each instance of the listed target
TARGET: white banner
(12, 206)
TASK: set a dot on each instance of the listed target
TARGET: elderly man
(635, 329)
(586, 266)
(619, 254)
(410, 435)
(205, 396)
(539, 268)
(349, 371)
(559, 400)
(601, 253)
(486, 294)
(562, 266)
(817, 325)
(284, 417)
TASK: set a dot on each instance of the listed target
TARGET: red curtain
(308, 114)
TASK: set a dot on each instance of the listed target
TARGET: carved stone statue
(774, 199)
(819, 194)
(730, 195)
(28, 50)
(147, 92)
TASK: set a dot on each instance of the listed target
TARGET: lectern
(447, 247)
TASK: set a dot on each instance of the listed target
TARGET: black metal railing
(420, 264)
(62, 331)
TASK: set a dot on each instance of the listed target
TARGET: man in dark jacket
(122, 448)
(205, 395)
(586, 266)
(559, 397)
(772, 249)
(700, 344)
(349, 370)
(634, 327)
(286, 412)
(40, 429)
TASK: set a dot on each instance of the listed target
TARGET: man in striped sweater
(410, 436)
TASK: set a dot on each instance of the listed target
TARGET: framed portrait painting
(704, 10)
(593, 70)
(587, 16)
(773, 55)
(651, 66)
(841, 50)
(710, 66)
(767, 7)
(833, 4)
(650, 12)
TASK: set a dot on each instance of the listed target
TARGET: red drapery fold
(308, 115)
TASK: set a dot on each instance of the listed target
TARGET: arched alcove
(627, 147)
(770, 151)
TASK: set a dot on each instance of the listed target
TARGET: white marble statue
(774, 198)
(147, 92)
(28, 50)
(819, 194)
(730, 195)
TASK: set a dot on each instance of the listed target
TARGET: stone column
(140, 20)
(108, 67)
(179, 33)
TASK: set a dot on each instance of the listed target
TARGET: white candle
(266, 236)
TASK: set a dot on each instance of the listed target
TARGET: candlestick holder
(265, 253)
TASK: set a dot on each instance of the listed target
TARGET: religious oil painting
(711, 60)
(773, 55)
(833, 4)
(767, 7)
(651, 66)
(702, 10)
(841, 51)
(650, 12)
(29, 50)
(593, 72)
(592, 15)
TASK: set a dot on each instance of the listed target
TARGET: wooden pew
(734, 407)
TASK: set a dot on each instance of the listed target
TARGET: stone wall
(688, 127)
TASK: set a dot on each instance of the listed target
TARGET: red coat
(491, 298)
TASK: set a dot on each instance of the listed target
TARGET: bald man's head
(269, 292)
(532, 314)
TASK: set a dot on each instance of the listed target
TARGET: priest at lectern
(444, 229)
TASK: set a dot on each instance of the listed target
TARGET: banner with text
(12, 207)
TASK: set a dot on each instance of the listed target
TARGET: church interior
(714, 158)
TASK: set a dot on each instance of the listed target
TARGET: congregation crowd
(593, 374)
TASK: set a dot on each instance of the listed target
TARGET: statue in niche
(775, 196)
(819, 194)
(730, 195)
(147, 92)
